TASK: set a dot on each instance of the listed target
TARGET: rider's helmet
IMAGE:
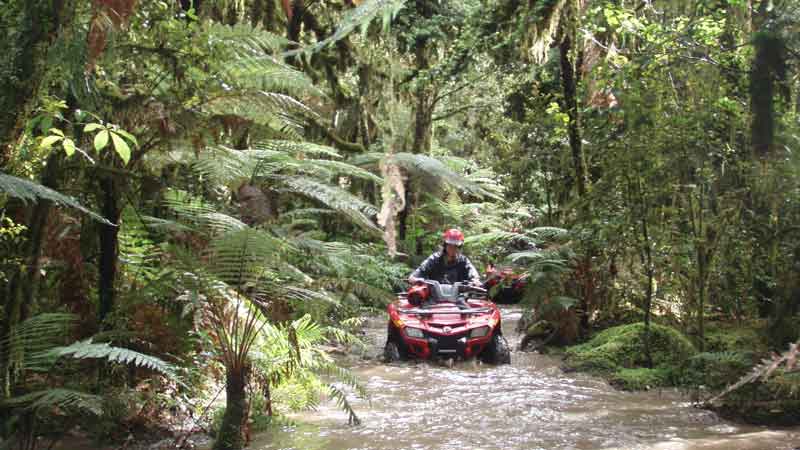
(454, 237)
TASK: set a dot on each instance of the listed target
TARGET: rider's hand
(413, 280)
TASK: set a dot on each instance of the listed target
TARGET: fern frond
(197, 215)
(246, 256)
(307, 212)
(244, 39)
(344, 337)
(266, 73)
(297, 293)
(365, 13)
(544, 234)
(65, 399)
(270, 110)
(428, 167)
(341, 400)
(35, 335)
(497, 237)
(342, 168)
(231, 167)
(343, 376)
(334, 197)
(88, 350)
(297, 149)
(28, 191)
(765, 369)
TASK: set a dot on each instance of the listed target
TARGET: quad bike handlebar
(460, 286)
(424, 291)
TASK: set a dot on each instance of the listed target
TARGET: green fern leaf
(88, 350)
(65, 399)
(26, 191)
(359, 17)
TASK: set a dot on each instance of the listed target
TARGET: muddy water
(527, 405)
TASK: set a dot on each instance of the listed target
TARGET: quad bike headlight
(479, 332)
(414, 332)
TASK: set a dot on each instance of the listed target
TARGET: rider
(447, 265)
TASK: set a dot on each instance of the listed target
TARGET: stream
(529, 404)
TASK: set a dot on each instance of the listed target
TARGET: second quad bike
(434, 320)
(506, 286)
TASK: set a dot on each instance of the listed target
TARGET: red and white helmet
(454, 237)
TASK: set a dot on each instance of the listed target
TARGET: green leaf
(101, 140)
(49, 141)
(121, 147)
(92, 127)
(69, 146)
(57, 132)
(131, 138)
(46, 124)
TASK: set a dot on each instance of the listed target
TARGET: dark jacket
(435, 267)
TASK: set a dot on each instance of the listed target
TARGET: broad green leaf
(69, 146)
(92, 127)
(128, 136)
(49, 141)
(46, 124)
(57, 132)
(121, 147)
(101, 140)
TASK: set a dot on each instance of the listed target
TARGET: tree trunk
(109, 246)
(569, 83)
(38, 23)
(24, 285)
(648, 301)
(701, 302)
(231, 432)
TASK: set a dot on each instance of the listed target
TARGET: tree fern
(292, 351)
(26, 191)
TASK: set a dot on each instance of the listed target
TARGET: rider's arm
(423, 272)
(472, 273)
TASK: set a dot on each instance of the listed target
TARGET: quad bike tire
(497, 351)
(392, 351)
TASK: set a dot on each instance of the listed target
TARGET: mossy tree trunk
(569, 84)
(37, 23)
(231, 432)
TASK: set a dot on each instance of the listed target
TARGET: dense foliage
(211, 192)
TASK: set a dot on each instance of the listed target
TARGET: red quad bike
(505, 285)
(434, 320)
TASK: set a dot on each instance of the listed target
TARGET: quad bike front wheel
(497, 351)
(392, 351)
